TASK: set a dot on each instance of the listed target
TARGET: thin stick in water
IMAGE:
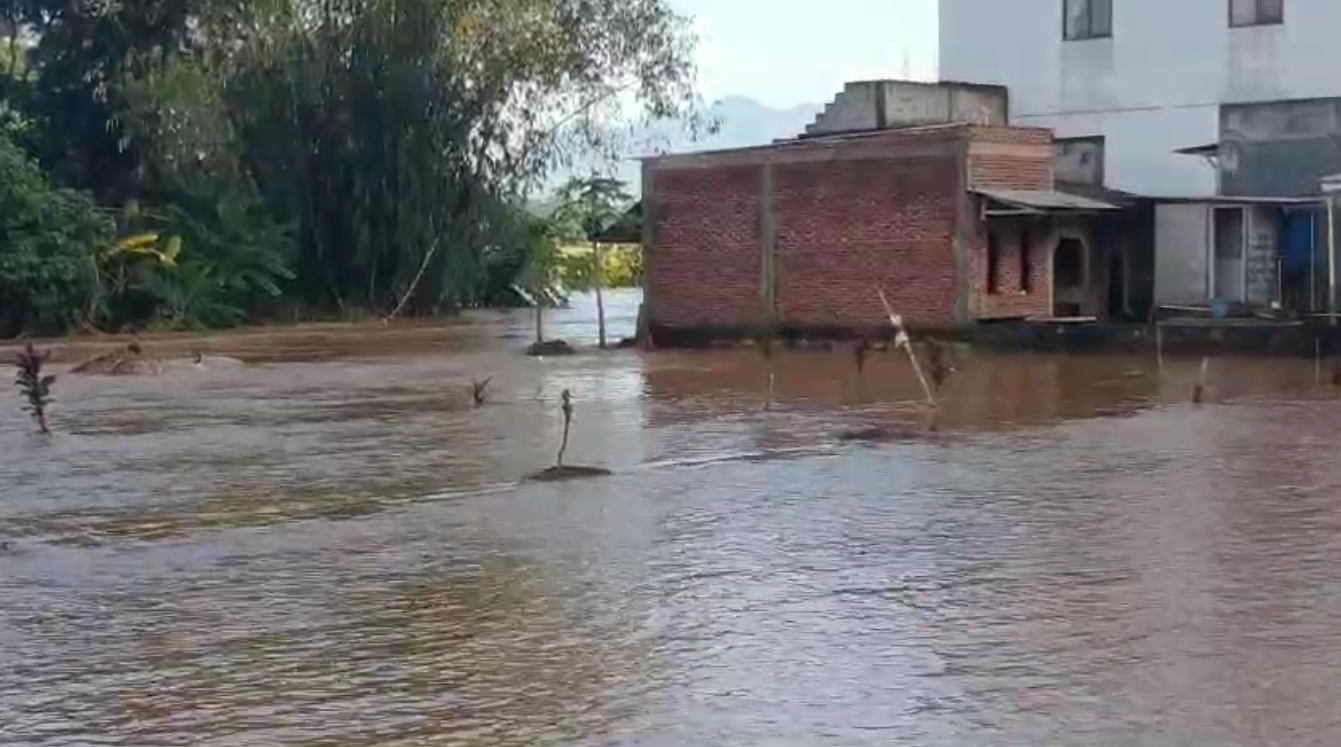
(901, 340)
(1159, 345)
(1199, 391)
(567, 422)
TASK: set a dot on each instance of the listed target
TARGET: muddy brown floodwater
(330, 548)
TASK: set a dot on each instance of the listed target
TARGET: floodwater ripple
(340, 550)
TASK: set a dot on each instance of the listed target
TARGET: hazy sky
(785, 52)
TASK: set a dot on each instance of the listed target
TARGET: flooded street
(328, 548)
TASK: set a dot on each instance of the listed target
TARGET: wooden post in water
(901, 340)
(567, 423)
(768, 349)
(859, 352)
(1159, 346)
(1199, 391)
(600, 291)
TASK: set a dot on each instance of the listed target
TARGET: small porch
(1242, 256)
(1057, 255)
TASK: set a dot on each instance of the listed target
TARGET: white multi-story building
(1254, 82)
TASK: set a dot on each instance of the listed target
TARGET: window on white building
(1087, 19)
(1256, 12)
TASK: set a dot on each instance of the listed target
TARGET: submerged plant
(479, 391)
(859, 353)
(567, 423)
(767, 338)
(938, 363)
(34, 387)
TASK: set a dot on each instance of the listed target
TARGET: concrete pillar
(768, 291)
(645, 319)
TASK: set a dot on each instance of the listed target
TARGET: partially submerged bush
(35, 388)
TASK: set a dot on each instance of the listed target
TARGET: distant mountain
(743, 122)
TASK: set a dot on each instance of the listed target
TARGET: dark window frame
(1026, 261)
(993, 264)
(1261, 16)
(1089, 33)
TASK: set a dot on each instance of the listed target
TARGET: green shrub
(48, 240)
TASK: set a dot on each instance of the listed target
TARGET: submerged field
(330, 545)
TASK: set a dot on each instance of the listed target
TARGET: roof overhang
(1006, 202)
(627, 229)
(1239, 200)
(1205, 151)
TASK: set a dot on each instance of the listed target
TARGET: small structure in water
(549, 347)
(561, 471)
(127, 360)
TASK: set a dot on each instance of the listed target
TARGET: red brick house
(803, 232)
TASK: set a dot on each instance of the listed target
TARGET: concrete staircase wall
(891, 104)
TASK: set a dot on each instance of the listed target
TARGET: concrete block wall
(880, 104)
(1260, 252)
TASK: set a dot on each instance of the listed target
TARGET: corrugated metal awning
(1207, 150)
(1043, 201)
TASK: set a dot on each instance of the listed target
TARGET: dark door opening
(1068, 277)
(1117, 286)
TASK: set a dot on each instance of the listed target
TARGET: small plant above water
(479, 391)
(35, 388)
(567, 424)
(561, 471)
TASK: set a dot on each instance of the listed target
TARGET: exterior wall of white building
(1155, 85)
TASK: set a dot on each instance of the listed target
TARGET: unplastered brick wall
(1010, 158)
(848, 227)
(1011, 297)
(704, 266)
(850, 215)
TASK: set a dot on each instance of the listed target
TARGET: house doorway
(1117, 285)
(1068, 277)
(1230, 238)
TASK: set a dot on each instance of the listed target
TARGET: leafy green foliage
(623, 268)
(592, 204)
(335, 156)
(48, 241)
(233, 262)
(33, 385)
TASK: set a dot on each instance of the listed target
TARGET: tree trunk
(539, 320)
(600, 295)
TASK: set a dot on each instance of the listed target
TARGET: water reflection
(331, 548)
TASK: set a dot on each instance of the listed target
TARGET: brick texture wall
(1011, 158)
(1010, 172)
(1012, 297)
(843, 226)
(704, 268)
(846, 227)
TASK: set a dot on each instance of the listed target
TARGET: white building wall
(1153, 87)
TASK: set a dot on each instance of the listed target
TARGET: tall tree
(595, 203)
